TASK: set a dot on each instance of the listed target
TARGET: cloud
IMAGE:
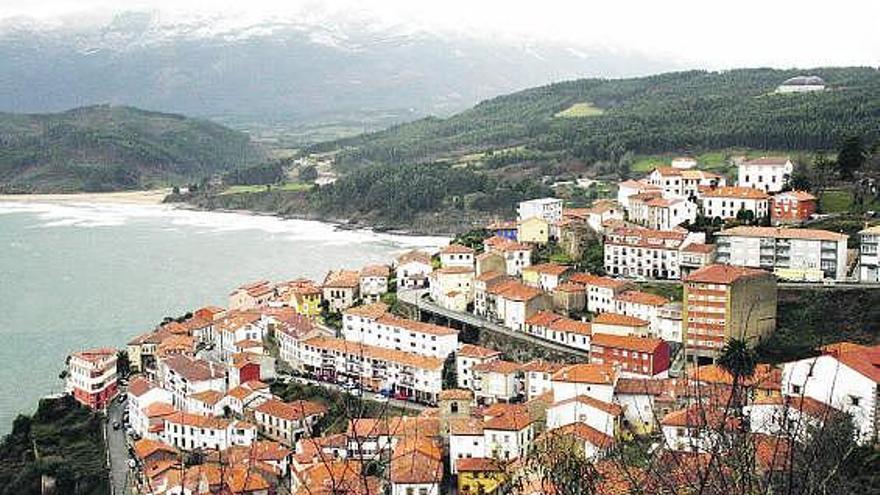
(779, 33)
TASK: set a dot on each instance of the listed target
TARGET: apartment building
(374, 326)
(187, 431)
(375, 368)
(600, 291)
(373, 282)
(456, 255)
(792, 207)
(724, 301)
(641, 305)
(644, 253)
(548, 209)
(91, 377)
(645, 357)
(184, 376)
(792, 254)
(287, 422)
(468, 356)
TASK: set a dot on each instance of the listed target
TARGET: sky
(701, 34)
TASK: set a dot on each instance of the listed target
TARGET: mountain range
(297, 71)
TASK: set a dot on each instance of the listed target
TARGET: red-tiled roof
(863, 359)
(735, 192)
(371, 311)
(783, 233)
(590, 279)
(542, 318)
(724, 274)
(586, 373)
(475, 351)
(496, 366)
(456, 249)
(583, 432)
(639, 297)
(606, 407)
(478, 465)
(639, 344)
(291, 411)
(548, 269)
(619, 320)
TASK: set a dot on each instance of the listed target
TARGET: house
(91, 377)
(633, 356)
(467, 356)
(696, 428)
(247, 396)
(592, 442)
(416, 467)
(305, 297)
(768, 174)
(183, 376)
(479, 475)
(490, 262)
(601, 213)
(375, 368)
(640, 399)
(846, 377)
(668, 213)
(456, 255)
(341, 289)
(508, 431)
(669, 322)
(537, 375)
(790, 416)
(557, 328)
(793, 254)
(602, 416)
(141, 395)
(374, 325)
(629, 188)
(373, 282)
(694, 256)
(187, 431)
(644, 253)
(668, 180)
(730, 202)
(515, 303)
(206, 403)
(545, 276)
(495, 381)
(570, 297)
(412, 269)
(237, 332)
(516, 254)
(454, 404)
(466, 441)
(505, 229)
(869, 256)
(684, 162)
(485, 303)
(792, 207)
(723, 301)
(590, 379)
(452, 287)
(533, 230)
(287, 422)
(600, 291)
(641, 305)
(252, 295)
(620, 324)
(548, 209)
(291, 333)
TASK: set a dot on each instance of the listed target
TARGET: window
(796, 389)
(854, 400)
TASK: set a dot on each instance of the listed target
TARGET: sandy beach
(151, 197)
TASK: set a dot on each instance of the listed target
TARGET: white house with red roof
(537, 375)
(252, 295)
(374, 282)
(600, 291)
(594, 380)
(466, 357)
(560, 329)
(287, 422)
(595, 413)
(727, 202)
(374, 325)
(495, 381)
(847, 377)
(91, 377)
(142, 394)
(508, 431)
(456, 255)
(641, 305)
(184, 376)
(412, 269)
(516, 255)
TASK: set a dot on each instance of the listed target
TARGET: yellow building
(723, 302)
(479, 475)
(535, 230)
(452, 287)
(305, 297)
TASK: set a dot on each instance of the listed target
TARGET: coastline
(149, 197)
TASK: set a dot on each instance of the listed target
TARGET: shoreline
(149, 197)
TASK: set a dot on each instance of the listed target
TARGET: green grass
(287, 186)
(578, 110)
(836, 201)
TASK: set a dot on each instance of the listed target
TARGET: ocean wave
(170, 219)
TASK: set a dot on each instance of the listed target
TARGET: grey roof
(804, 81)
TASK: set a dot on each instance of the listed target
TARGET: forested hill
(100, 148)
(596, 119)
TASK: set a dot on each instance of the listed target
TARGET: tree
(308, 173)
(593, 258)
(123, 366)
(850, 156)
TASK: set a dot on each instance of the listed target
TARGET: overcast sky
(704, 33)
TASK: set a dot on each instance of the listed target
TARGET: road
(415, 298)
(117, 449)
(402, 404)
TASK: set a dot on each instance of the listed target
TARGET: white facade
(466, 446)
(508, 444)
(669, 322)
(800, 254)
(190, 432)
(572, 411)
(465, 361)
(392, 332)
(869, 257)
(183, 377)
(549, 209)
(646, 253)
(766, 174)
(830, 381)
(727, 207)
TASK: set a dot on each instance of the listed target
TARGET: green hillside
(595, 119)
(101, 148)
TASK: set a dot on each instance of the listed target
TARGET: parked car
(380, 398)
(401, 396)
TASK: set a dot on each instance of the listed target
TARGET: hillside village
(208, 404)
